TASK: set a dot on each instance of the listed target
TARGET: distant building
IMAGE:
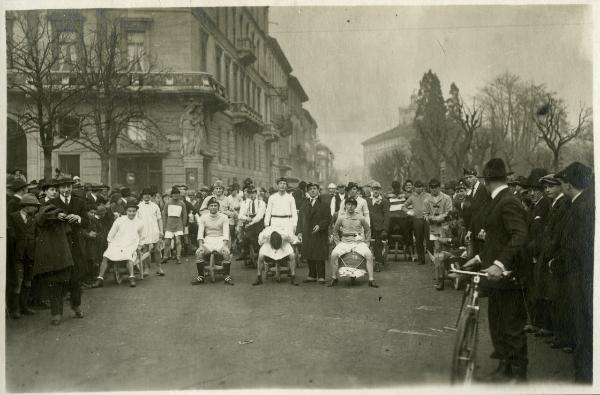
(388, 141)
(324, 172)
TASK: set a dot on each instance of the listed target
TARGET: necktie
(312, 201)
(253, 208)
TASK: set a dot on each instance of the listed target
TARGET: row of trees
(522, 122)
(95, 86)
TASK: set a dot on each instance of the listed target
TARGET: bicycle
(467, 326)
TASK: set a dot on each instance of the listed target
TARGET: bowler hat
(533, 181)
(29, 199)
(549, 179)
(64, 180)
(577, 174)
(495, 168)
(17, 184)
(45, 184)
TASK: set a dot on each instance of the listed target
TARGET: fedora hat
(577, 174)
(29, 199)
(64, 180)
(495, 168)
(533, 181)
(17, 184)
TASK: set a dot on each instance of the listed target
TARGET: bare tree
(553, 127)
(395, 165)
(468, 119)
(112, 108)
(37, 57)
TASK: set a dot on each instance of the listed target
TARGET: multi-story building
(325, 173)
(390, 140)
(225, 104)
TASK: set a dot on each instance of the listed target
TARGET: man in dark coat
(577, 261)
(537, 216)
(18, 188)
(379, 213)
(21, 235)
(476, 202)
(74, 208)
(505, 228)
(313, 225)
(549, 280)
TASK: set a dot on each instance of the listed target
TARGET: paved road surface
(166, 334)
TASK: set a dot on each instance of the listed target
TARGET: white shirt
(332, 204)
(260, 208)
(362, 207)
(280, 206)
(499, 189)
(150, 215)
(556, 199)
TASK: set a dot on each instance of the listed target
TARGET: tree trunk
(555, 160)
(47, 164)
(104, 169)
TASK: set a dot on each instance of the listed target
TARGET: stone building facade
(227, 106)
(325, 172)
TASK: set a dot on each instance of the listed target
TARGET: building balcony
(270, 133)
(212, 93)
(246, 117)
(246, 51)
(283, 122)
(285, 163)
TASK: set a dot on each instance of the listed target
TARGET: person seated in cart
(355, 236)
(124, 243)
(281, 217)
(213, 237)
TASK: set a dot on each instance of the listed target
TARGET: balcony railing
(246, 117)
(285, 163)
(185, 82)
(246, 51)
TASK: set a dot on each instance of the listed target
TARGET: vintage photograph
(298, 197)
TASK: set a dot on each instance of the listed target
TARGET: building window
(136, 51)
(230, 147)
(69, 164)
(218, 58)
(236, 148)
(234, 20)
(220, 147)
(235, 82)
(69, 127)
(203, 50)
(258, 93)
(67, 44)
(242, 86)
(228, 76)
(136, 132)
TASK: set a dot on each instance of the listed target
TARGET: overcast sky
(358, 64)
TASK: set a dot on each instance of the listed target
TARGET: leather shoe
(99, 283)
(132, 282)
(293, 280)
(333, 282)
(78, 312)
(258, 281)
(500, 374)
(372, 284)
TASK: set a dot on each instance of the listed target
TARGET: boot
(14, 310)
(99, 283)
(500, 374)
(258, 281)
(293, 280)
(24, 301)
(518, 373)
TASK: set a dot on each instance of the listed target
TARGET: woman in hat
(53, 259)
(124, 243)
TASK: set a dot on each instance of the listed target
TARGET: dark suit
(475, 214)
(380, 221)
(506, 234)
(315, 246)
(13, 204)
(74, 233)
(551, 284)
(577, 261)
(21, 237)
(538, 307)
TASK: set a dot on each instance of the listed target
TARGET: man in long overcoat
(505, 228)
(577, 249)
(74, 208)
(379, 210)
(313, 225)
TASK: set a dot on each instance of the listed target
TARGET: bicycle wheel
(463, 358)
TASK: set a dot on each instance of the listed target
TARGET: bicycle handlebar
(481, 274)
